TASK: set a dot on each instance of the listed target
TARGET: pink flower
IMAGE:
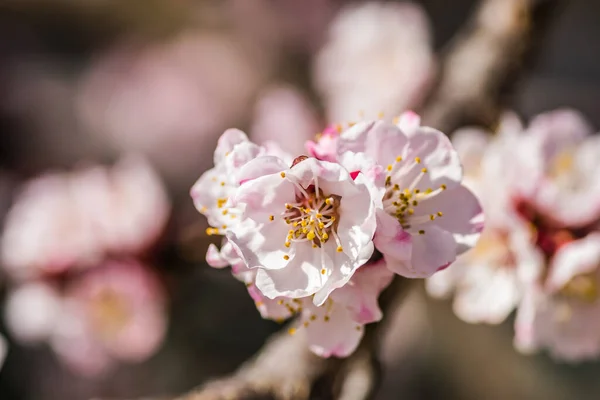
(114, 312)
(377, 59)
(428, 217)
(336, 327)
(562, 312)
(65, 220)
(307, 229)
(566, 154)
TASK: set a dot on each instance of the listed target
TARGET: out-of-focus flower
(284, 113)
(169, 100)
(307, 228)
(325, 146)
(568, 168)
(113, 312)
(428, 217)
(378, 59)
(487, 279)
(562, 311)
(65, 220)
(32, 311)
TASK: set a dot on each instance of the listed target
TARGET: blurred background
(109, 112)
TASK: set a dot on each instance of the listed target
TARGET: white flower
(428, 217)
(307, 229)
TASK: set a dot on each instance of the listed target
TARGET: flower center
(312, 218)
(109, 312)
(402, 197)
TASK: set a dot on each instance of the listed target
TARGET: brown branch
(479, 68)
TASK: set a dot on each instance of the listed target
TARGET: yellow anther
(325, 236)
(424, 170)
(439, 213)
(388, 181)
(224, 226)
(389, 167)
(358, 327)
(398, 159)
(313, 317)
(225, 212)
(319, 215)
(417, 191)
(305, 230)
(380, 115)
(321, 225)
(271, 217)
(282, 174)
(396, 187)
(305, 324)
(326, 318)
(314, 246)
(203, 209)
(287, 244)
(411, 211)
(303, 223)
(415, 203)
(222, 183)
(292, 331)
(286, 257)
(280, 302)
(323, 271)
(443, 186)
(429, 190)
(418, 160)
(288, 206)
(421, 232)
(339, 249)
(310, 235)
(328, 201)
(295, 224)
(432, 217)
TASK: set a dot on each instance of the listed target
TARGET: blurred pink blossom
(284, 115)
(562, 312)
(170, 100)
(378, 59)
(65, 220)
(113, 312)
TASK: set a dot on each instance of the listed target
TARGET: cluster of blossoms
(320, 236)
(74, 250)
(540, 250)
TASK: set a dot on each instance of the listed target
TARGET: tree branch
(479, 68)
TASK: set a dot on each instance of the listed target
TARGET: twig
(479, 68)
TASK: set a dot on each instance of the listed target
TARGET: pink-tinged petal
(274, 309)
(409, 122)
(241, 154)
(325, 148)
(437, 155)
(333, 331)
(527, 336)
(361, 294)
(461, 215)
(576, 258)
(208, 193)
(261, 166)
(302, 277)
(354, 139)
(214, 257)
(430, 251)
(390, 239)
(228, 140)
(385, 142)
